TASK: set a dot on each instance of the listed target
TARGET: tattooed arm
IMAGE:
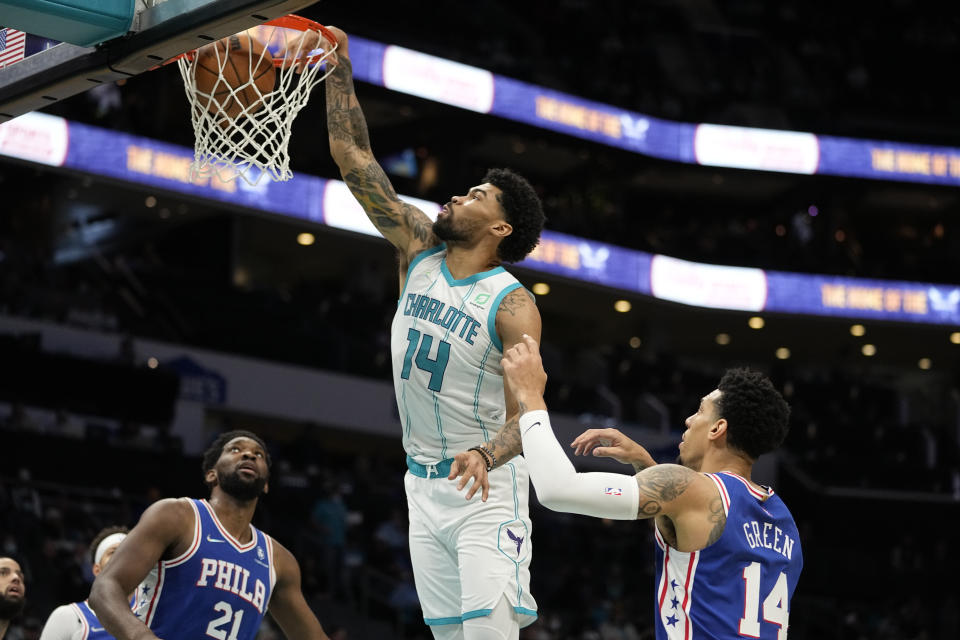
(405, 226)
(517, 315)
(686, 504)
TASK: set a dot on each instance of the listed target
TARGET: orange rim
(291, 21)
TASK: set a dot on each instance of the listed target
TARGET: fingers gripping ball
(234, 74)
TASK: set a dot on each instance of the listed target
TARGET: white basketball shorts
(468, 554)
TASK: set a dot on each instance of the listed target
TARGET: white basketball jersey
(446, 357)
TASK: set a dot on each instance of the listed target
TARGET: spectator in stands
(77, 620)
(328, 520)
(13, 592)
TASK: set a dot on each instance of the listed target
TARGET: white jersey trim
(162, 565)
(83, 620)
(226, 534)
(725, 497)
(759, 495)
(268, 542)
(194, 544)
(679, 567)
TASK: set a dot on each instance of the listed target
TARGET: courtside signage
(53, 141)
(708, 285)
(479, 90)
(36, 137)
(437, 79)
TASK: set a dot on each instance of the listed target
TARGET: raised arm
(405, 226)
(516, 316)
(165, 530)
(287, 604)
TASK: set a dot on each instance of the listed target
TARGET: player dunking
(205, 570)
(458, 310)
(728, 551)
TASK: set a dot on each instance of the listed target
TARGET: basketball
(237, 72)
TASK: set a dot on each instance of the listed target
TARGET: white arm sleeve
(63, 624)
(559, 486)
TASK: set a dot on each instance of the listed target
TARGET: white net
(244, 93)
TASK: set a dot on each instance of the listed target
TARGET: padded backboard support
(160, 33)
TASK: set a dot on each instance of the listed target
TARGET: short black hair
(16, 557)
(757, 415)
(524, 213)
(215, 450)
(100, 537)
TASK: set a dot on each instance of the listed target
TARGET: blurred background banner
(54, 141)
(772, 185)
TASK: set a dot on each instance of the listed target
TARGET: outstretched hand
(467, 465)
(611, 443)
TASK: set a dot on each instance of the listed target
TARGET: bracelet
(488, 457)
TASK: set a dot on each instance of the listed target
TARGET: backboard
(157, 34)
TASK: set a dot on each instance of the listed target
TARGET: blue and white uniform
(449, 385)
(74, 621)
(92, 628)
(740, 586)
(217, 588)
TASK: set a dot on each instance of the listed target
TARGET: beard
(10, 608)
(240, 488)
(443, 228)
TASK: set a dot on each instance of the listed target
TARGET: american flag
(12, 43)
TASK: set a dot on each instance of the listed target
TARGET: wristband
(489, 459)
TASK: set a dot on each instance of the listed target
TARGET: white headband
(111, 540)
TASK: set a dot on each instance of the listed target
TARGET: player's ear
(501, 229)
(96, 569)
(718, 429)
(266, 488)
(210, 478)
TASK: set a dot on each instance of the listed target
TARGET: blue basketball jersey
(217, 589)
(92, 629)
(741, 585)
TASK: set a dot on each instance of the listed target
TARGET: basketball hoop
(251, 87)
